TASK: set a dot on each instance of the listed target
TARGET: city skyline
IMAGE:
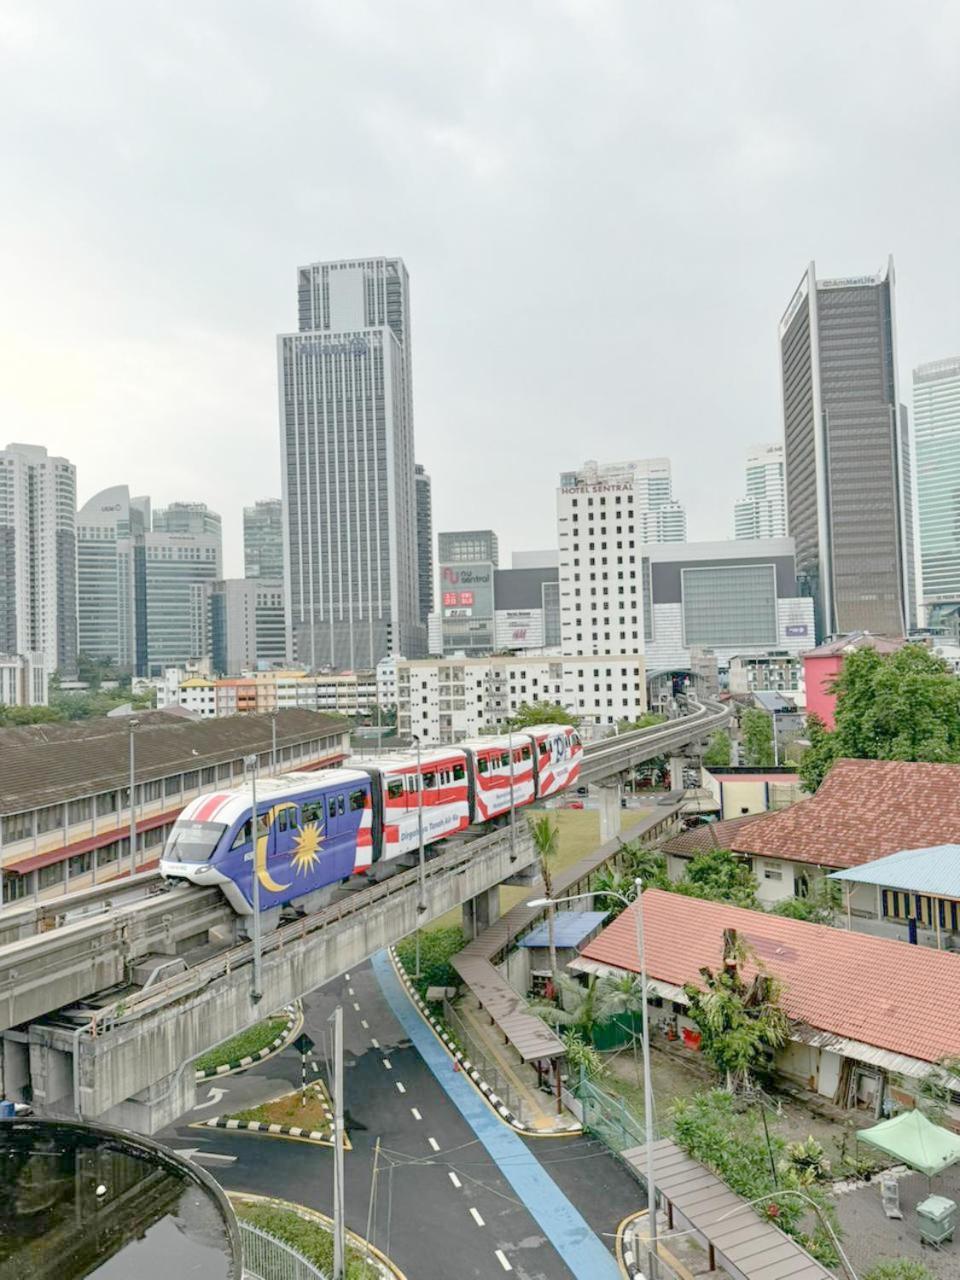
(465, 172)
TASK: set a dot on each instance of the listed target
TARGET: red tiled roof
(863, 810)
(708, 835)
(892, 995)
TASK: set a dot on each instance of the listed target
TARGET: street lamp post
(421, 905)
(257, 992)
(133, 725)
(273, 743)
(645, 1044)
(513, 811)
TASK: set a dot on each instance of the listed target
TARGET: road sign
(303, 1044)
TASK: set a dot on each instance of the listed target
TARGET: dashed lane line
(434, 1144)
(356, 1007)
(365, 1024)
(476, 1217)
(415, 1113)
(502, 1259)
(455, 1180)
(401, 1087)
(350, 991)
(386, 1063)
(375, 1042)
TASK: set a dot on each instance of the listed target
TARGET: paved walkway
(563, 1224)
(539, 1108)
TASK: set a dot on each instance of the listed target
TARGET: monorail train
(315, 830)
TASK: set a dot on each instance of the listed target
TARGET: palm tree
(546, 839)
(625, 995)
(580, 1006)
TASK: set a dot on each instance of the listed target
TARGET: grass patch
(436, 948)
(244, 1045)
(313, 1113)
(307, 1235)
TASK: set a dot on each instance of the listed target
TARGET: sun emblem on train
(306, 853)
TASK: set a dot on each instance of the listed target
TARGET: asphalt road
(442, 1208)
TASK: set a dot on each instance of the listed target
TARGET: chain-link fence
(484, 1063)
(267, 1258)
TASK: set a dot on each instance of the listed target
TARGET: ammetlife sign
(319, 347)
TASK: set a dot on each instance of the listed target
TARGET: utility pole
(257, 991)
(513, 811)
(647, 1086)
(421, 905)
(132, 725)
(273, 743)
(339, 1242)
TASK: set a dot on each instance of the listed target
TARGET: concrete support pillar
(480, 912)
(611, 813)
(676, 773)
(15, 1067)
(159, 1105)
(51, 1076)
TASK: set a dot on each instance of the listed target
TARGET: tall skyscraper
(846, 449)
(463, 546)
(763, 512)
(173, 573)
(263, 540)
(187, 517)
(424, 541)
(38, 556)
(936, 425)
(107, 530)
(247, 625)
(346, 428)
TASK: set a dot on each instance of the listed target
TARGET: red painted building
(822, 665)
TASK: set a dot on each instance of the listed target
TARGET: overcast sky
(604, 209)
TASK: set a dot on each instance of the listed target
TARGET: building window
(106, 803)
(50, 875)
(772, 870)
(79, 810)
(49, 818)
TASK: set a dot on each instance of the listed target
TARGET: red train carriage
(446, 805)
(490, 774)
(559, 754)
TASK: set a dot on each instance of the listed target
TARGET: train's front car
(196, 836)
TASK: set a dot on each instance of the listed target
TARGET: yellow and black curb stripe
(293, 1017)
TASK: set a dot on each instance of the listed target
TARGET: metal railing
(267, 1258)
(487, 1066)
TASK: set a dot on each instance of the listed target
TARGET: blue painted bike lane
(563, 1224)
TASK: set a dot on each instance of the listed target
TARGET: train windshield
(192, 841)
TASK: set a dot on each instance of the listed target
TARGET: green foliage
(898, 706)
(581, 1006)
(436, 948)
(247, 1042)
(309, 1237)
(83, 706)
(936, 1087)
(741, 1023)
(898, 1269)
(756, 729)
(805, 1163)
(645, 721)
(820, 906)
(717, 753)
(582, 1056)
(719, 876)
(11, 717)
(530, 713)
(712, 1129)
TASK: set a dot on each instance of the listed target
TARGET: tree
(820, 906)
(740, 1022)
(898, 706)
(645, 721)
(580, 1006)
(546, 841)
(10, 717)
(717, 753)
(625, 995)
(756, 728)
(719, 876)
(532, 713)
(581, 1056)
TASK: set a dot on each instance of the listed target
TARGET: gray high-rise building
(849, 503)
(107, 529)
(173, 573)
(346, 434)
(187, 517)
(38, 556)
(463, 546)
(424, 541)
(247, 628)
(263, 540)
(936, 429)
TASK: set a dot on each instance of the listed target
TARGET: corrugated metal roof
(570, 930)
(933, 870)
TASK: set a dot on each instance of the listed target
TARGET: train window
(517, 756)
(525, 753)
(283, 820)
(575, 738)
(357, 799)
(482, 765)
(458, 773)
(312, 811)
(504, 758)
(242, 836)
(544, 749)
(332, 806)
(394, 789)
(340, 805)
(263, 826)
(411, 782)
(430, 779)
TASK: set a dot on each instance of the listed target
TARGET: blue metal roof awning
(572, 928)
(935, 870)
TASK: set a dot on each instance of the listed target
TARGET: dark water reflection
(77, 1201)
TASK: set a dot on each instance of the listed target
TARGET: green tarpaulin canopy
(915, 1140)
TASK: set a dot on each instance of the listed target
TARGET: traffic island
(305, 1116)
(310, 1233)
(253, 1045)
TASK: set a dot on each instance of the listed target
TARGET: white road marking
(316, 1066)
(476, 1217)
(415, 1113)
(434, 1144)
(401, 1087)
(349, 991)
(347, 976)
(213, 1097)
(502, 1259)
(356, 1007)
(375, 1042)
(386, 1061)
(365, 1024)
(455, 1180)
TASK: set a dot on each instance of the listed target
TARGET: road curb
(440, 1031)
(278, 1130)
(293, 1016)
